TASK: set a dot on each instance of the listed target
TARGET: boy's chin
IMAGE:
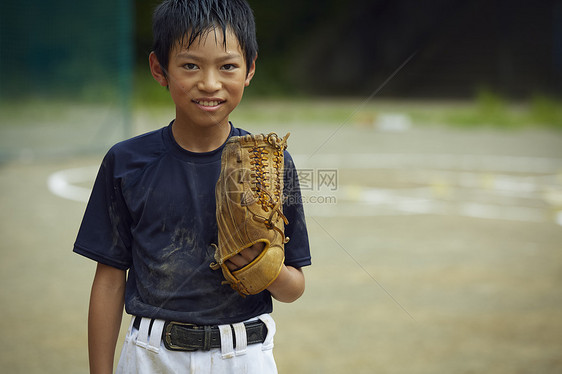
(208, 123)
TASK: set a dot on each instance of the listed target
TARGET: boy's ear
(251, 72)
(156, 70)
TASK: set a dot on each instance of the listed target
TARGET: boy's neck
(196, 139)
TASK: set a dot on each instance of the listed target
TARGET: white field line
(357, 201)
(464, 171)
(62, 183)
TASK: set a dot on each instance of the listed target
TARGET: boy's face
(206, 81)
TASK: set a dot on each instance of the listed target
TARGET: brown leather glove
(249, 197)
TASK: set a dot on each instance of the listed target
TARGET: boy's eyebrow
(226, 56)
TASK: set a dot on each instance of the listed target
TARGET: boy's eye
(190, 66)
(229, 67)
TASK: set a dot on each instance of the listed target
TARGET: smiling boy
(206, 83)
(152, 214)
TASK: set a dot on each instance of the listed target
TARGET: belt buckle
(168, 336)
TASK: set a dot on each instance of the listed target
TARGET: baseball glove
(249, 197)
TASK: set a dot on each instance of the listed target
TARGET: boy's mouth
(209, 103)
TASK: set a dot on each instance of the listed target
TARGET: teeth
(209, 103)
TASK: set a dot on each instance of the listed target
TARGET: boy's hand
(245, 257)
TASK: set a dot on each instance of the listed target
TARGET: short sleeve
(104, 235)
(297, 250)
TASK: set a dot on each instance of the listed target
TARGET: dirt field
(434, 251)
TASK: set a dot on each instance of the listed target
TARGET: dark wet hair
(186, 20)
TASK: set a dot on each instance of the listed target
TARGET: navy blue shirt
(152, 211)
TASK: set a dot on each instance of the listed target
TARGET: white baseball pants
(144, 353)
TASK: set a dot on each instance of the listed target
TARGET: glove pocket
(262, 271)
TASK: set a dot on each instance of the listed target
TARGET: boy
(152, 212)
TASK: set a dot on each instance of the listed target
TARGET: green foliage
(546, 111)
(492, 110)
(146, 91)
(487, 109)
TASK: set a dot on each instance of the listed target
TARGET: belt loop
(270, 324)
(227, 343)
(241, 338)
(155, 336)
(142, 337)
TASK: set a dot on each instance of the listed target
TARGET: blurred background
(502, 60)
(429, 135)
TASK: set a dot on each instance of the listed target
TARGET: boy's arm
(104, 317)
(289, 285)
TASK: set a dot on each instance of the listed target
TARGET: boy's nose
(209, 82)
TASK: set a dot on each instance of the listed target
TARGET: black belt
(178, 336)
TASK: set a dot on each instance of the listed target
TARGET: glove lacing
(262, 181)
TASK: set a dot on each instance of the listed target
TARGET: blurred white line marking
(356, 201)
(362, 201)
(62, 183)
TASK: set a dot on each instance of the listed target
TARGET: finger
(245, 257)
(252, 252)
(231, 266)
(236, 262)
